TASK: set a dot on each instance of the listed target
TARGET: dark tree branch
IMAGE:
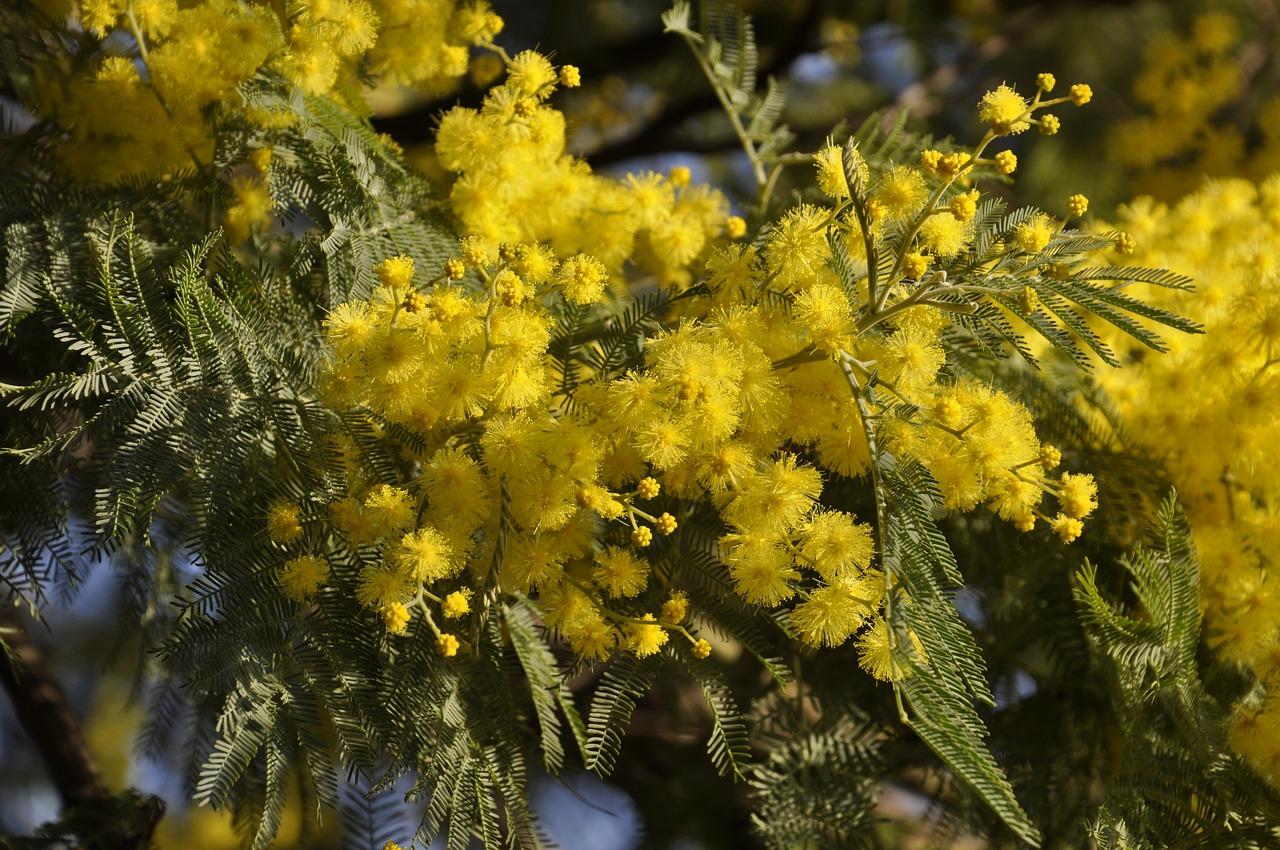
(41, 707)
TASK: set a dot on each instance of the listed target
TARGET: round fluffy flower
(825, 312)
(530, 72)
(620, 573)
(834, 544)
(901, 192)
(645, 639)
(284, 523)
(1004, 110)
(944, 236)
(456, 604)
(1067, 528)
(582, 278)
(379, 587)
(676, 607)
(389, 509)
(831, 171)
(302, 577)
(797, 248)
(1033, 234)
(396, 272)
(828, 617)
(424, 555)
(395, 617)
(875, 654)
(1079, 495)
(447, 645)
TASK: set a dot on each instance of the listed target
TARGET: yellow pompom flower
(1045, 82)
(824, 309)
(570, 76)
(736, 227)
(645, 639)
(762, 573)
(379, 587)
(776, 497)
(875, 653)
(389, 509)
(1004, 110)
(828, 617)
(530, 73)
(701, 648)
(1067, 528)
(1033, 234)
(424, 556)
(1077, 205)
(797, 248)
(395, 617)
(1081, 94)
(835, 544)
(944, 236)
(594, 640)
(964, 206)
(1078, 495)
(1006, 162)
(447, 645)
(395, 272)
(901, 191)
(456, 604)
(830, 163)
(284, 523)
(620, 573)
(582, 279)
(675, 608)
(302, 576)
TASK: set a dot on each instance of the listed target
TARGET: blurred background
(1183, 91)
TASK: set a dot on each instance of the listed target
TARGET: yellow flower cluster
(515, 183)
(1211, 409)
(749, 401)
(1187, 82)
(136, 103)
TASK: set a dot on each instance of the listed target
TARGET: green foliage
(1174, 746)
(162, 397)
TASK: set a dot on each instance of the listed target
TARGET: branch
(647, 138)
(42, 710)
(41, 707)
